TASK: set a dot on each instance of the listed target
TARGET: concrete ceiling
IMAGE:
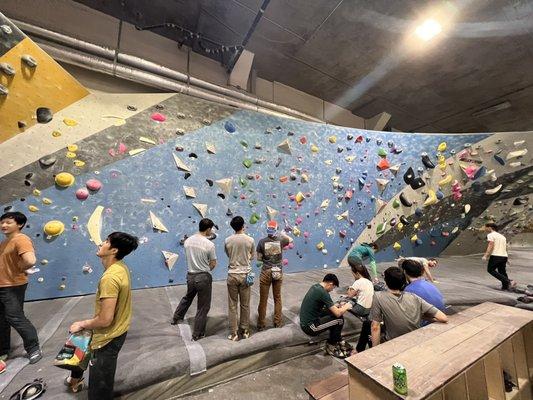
(351, 52)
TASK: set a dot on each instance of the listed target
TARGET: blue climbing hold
(230, 127)
(418, 242)
(439, 194)
(499, 159)
(480, 172)
(419, 212)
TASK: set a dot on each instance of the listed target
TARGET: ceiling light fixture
(428, 30)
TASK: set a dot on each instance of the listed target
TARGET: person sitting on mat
(426, 263)
(363, 290)
(111, 319)
(401, 312)
(318, 314)
(361, 252)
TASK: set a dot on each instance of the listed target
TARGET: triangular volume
(201, 208)
(285, 147)
(170, 259)
(345, 215)
(382, 183)
(157, 224)
(380, 204)
(190, 192)
(272, 213)
(180, 164)
(210, 147)
(225, 185)
(395, 168)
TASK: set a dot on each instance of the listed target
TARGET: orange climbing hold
(284, 179)
(383, 164)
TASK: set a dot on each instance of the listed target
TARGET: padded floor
(155, 351)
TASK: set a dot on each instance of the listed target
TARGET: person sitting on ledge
(363, 290)
(401, 312)
(426, 263)
(318, 313)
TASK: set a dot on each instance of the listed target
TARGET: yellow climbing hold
(442, 162)
(399, 226)
(79, 163)
(332, 139)
(118, 121)
(33, 208)
(64, 179)
(47, 201)
(442, 147)
(445, 181)
(36, 192)
(299, 197)
(56, 133)
(414, 238)
(72, 148)
(314, 148)
(54, 228)
(432, 198)
(70, 122)
(417, 225)
(71, 154)
(296, 231)
(396, 246)
(320, 245)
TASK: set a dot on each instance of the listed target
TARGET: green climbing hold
(381, 228)
(395, 203)
(243, 182)
(254, 218)
(247, 163)
(244, 143)
(382, 152)
(253, 202)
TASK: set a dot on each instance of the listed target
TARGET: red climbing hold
(383, 164)
(303, 140)
(158, 117)
(358, 139)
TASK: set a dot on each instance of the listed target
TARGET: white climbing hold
(201, 208)
(345, 215)
(94, 225)
(225, 185)
(380, 204)
(382, 183)
(494, 190)
(517, 153)
(189, 191)
(157, 224)
(170, 259)
(180, 164)
(324, 204)
(210, 147)
(395, 168)
(271, 212)
(467, 208)
(285, 147)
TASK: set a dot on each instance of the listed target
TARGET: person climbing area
(362, 252)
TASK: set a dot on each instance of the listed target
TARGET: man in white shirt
(201, 260)
(496, 253)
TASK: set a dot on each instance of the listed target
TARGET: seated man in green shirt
(318, 313)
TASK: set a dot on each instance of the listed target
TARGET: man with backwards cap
(269, 258)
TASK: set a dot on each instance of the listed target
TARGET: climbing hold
(72, 148)
(417, 183)
(383, 164)
(21, 124)
(225, 185)
(439, 194)
(134, 152)
(299, 197)
(271, 212)
(320, 245)
(47, 201)
(54, 228)
(432, 198)
(395, 203)
(479, 173)
(404, 220)
(156, 223)
(210, 147)
(70, 122)
(201, 208)
(170, 259)
(382, 183)
(414, 238)
(303, 140)
(247, 162)
(230, 126)
(4, 91)
(44, 115)
(499, 159)
(7, 69)
(254, 218)
(380, 229)
(419, 212)
(296, 231)
(82, 194)
(442, 147)
(405, 201)
(158, 117)
(33, 208)
(332, 139)
(64, 179)
(29, 60)
(94, 225)
(348, 195)
(396, 246)
(36, 192)
(394, 169)
(285, 147)
(515, 154)
(446, 180)
(409, 175)
(229, 213)
(190, 192)
(494, 190)
(380, 204)
(382, 152)
(180, 164)
(314, 148)
(94, 185)
(47, 161)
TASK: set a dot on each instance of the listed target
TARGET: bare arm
(282, 233)
(488, 252)
(428, 273)
(339, 311)
(440, 317)
(212, 264)
(375, 331)
(101, 320)
(352, 292)
(28, 260)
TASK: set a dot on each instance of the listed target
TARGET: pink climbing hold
(348, 195)
(291, 245)
(112, 152)
(306, 234)
(93, 185)
(158, 117)
(82, 194)
(470, 171)
(122, 148)
(299, 220)
(303, 140)
(285, 261)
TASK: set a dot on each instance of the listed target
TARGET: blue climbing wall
(152, 174)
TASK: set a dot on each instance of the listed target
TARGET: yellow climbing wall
(46, 85)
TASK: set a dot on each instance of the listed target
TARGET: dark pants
(324, 323)
(12, 315)
(496, 267)
(364, 337)
(102, 371)
(199, 283)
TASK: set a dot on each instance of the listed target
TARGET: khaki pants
(264, 286)
(238, 292)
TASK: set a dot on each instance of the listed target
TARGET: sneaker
(335, 351)
(233, 337)
(35, 356)
(74, 388)
(3, 357)
(245, 334)
(345, 346)
(2, 366)
(197, 337)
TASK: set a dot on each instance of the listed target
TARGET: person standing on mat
(240, 249)
(496, 253)
(201, 260)
(111, 319)
(426, 264)
(318, 313)
(270, 259)
(16, 257)
(361, 252)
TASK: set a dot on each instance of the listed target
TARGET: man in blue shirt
(414, 272)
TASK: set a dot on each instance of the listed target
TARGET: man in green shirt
(318, 313)
(111, 319)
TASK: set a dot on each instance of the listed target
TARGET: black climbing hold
(417, 183)
(229, 213)
(171, 281)
(480, 172)
(338, 170)
(22, 199)
(44, 115)
(3, 90)
(159, 106)
(29, 175)
(29, 60)
(180, 132)
(405, 201)
(404, 220)
(349, 137)
(520, 201)
(499, 159)
(187, 175)
(8, 208)
(209, 182)
(21, 124)
(182, 241)
(221, 195)
(427, 161)
(179, 148)
(409, 175)
(27, 182)
(132, 108)
(278, 162)
(278, 128)
(47, 161)
(290, 133)
(193, 155)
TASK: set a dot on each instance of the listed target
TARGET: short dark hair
(492, 225)
(205, 224)
(237, 223)
(123, 242)
(19, 218)
(331, 278)
(394, 278)
(412, 268)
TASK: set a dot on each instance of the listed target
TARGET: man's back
(239, 248)
(401, 313)
(271, 248)
(427, 291)
(199, 251)
(500, 244)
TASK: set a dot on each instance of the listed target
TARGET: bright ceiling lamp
(428, 30)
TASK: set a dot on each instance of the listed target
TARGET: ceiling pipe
(99, 54)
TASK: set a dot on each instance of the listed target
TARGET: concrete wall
(82, 22)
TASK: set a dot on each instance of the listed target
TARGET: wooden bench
(461, 360)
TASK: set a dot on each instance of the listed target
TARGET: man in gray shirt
(401, 312)
(239, 248)
(201, 260)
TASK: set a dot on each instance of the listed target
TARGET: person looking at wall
(240, 249)
(17, 255)
(362, 252)
(111, 319)
(201, 260)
